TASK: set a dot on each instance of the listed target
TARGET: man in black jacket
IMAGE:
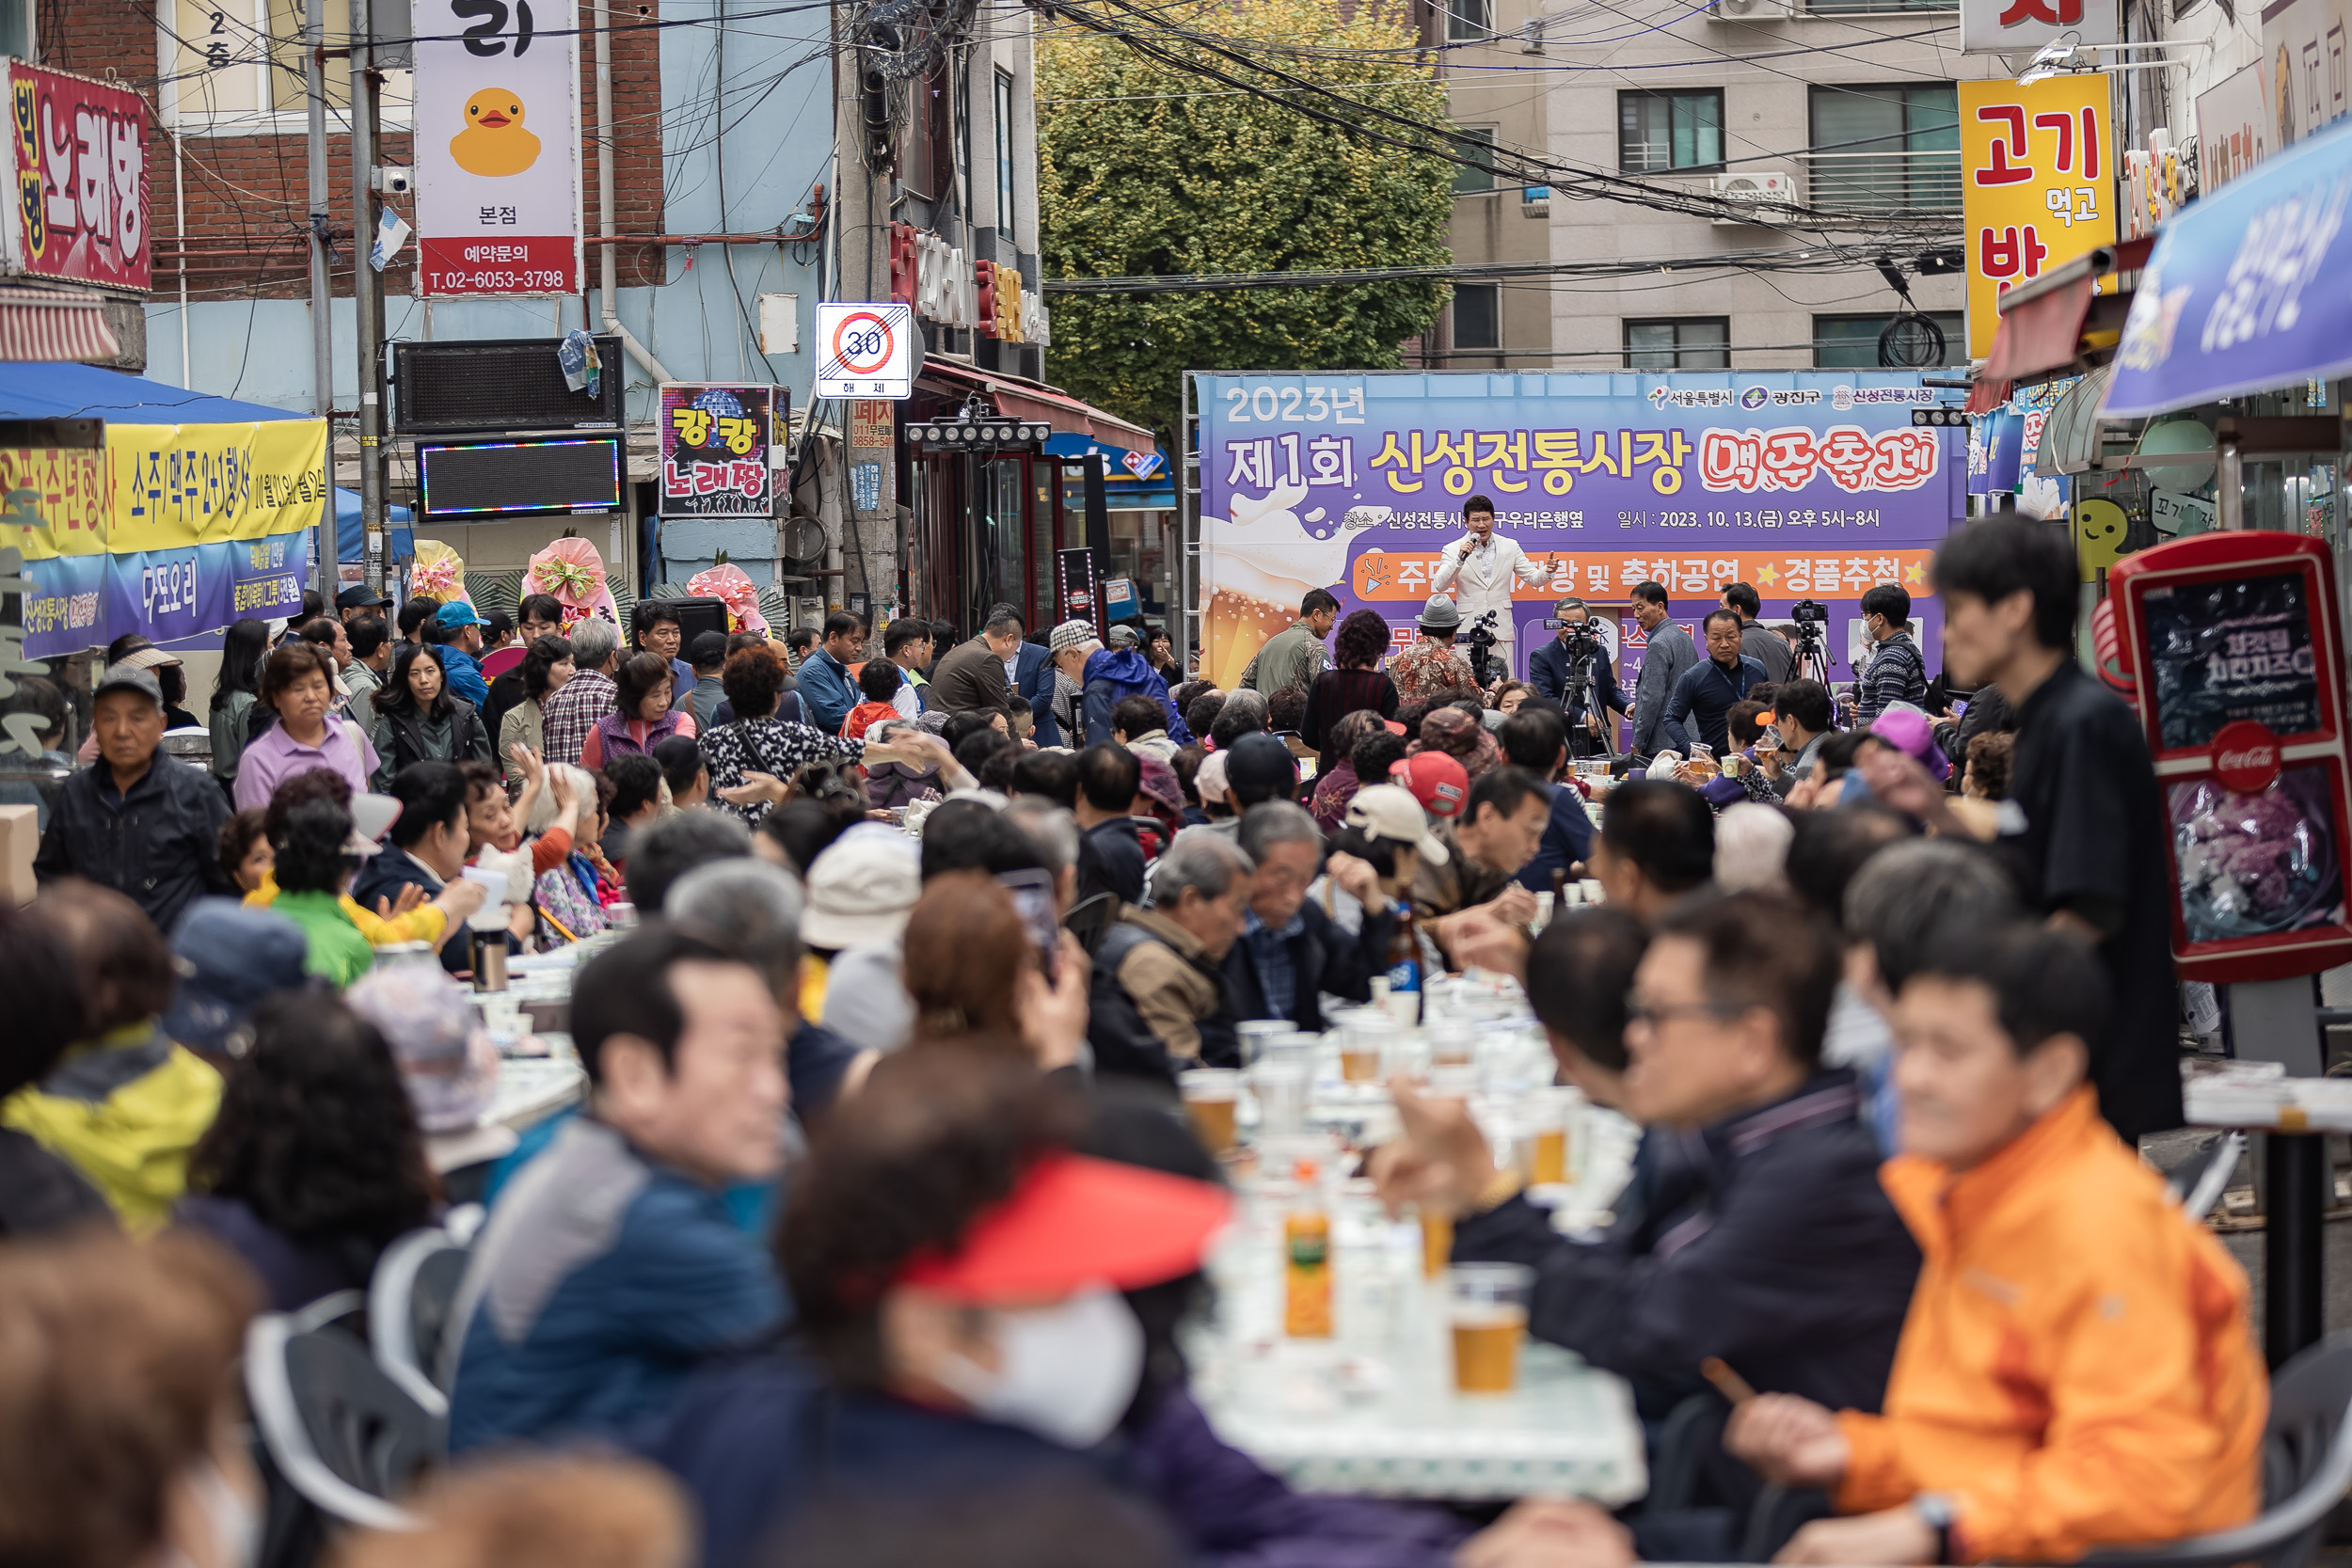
(1765, 1239)
(1291, 950)
(1599, 706)
(1110, 856)
(144, 824)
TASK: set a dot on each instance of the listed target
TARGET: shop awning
(56, 391)
(2057, 325)
(2207, 326)
(1030, 400)
(1128, 466)
(2069, 438)
(50, 326)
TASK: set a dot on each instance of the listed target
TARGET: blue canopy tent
(33, 391)
(350, 545)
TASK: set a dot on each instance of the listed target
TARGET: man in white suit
(1480, 572)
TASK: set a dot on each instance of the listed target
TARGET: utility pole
(322, 300)
(367, 287)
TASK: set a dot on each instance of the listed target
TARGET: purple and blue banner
(1808, 484)
(77, 601)
(2245, 290)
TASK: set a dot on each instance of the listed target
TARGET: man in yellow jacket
(2075, 1371)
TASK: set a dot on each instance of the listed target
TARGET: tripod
(1812, 656)
(1573, 696)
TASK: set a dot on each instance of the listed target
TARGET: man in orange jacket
(2076, 1370)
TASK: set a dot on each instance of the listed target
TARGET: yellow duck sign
(494, 142)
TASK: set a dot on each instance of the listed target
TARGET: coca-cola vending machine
(2238, 655)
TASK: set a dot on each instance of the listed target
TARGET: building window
(1852, 342)
(1003, 154)
(1470, 19)
(1688, 344)
(223, 71)
(1659, 131)
(1885, 150)
(1475, 142)
(1477, 316)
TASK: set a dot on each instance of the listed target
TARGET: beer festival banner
(1810, 484)
(171, 530)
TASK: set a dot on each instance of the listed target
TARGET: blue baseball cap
(228, 957)
(458, 612)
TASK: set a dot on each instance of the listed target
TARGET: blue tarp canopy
(33, 391)
(349, 544)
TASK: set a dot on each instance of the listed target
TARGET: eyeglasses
(1637, 1010)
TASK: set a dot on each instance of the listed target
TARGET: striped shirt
(568, 713)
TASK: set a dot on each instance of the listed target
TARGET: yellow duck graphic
(494, 141)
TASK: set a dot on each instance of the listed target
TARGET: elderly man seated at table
(1765, 1240)
(2077, 1371)
(1158, 997)
(611, 1265)
(1292, 952)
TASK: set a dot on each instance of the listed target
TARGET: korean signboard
(2037, 185)
(714, 450)
(1808, 484)
(497, 147)
(169, 531)
(2304, 68)
(2236, 644)
(2012, 26)
(2244, 290)
(77, 154)
(2233, 131)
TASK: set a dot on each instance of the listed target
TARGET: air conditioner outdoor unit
(1752, 11)
(1767, 197)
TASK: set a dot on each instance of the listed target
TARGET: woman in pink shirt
(641, 717)
(298, 682)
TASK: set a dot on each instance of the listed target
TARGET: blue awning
(1119, 462)
(2246, 290)
(36, 391)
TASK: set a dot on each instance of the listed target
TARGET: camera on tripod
(1809, 612)
(1481, 638)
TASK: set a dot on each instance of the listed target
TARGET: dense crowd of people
(874, 1236)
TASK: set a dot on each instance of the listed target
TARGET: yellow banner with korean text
(2037, 185)
(1609, 576)
(53, 502)
(171, 487)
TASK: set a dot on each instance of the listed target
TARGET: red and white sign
(865, 350)
(2000, 26)
(77, 155)
(498, 148)
(2245, 756)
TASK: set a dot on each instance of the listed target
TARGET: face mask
(1067, 1372)
(235, 1524)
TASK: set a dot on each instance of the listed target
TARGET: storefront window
(1041, 544)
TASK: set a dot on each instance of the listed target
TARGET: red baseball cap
(1438, 781)
(1072, 1221)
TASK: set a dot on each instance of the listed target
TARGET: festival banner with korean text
(714, 450)
(171, 530)
(1807, 484)
(2037, 185)
(78, 198)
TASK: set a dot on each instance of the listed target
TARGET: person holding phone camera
(1481, 570)
(1575, 671)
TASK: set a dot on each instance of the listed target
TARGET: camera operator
(1481, 571)
(1573, 671)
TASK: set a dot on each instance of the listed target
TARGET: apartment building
(1492, 54)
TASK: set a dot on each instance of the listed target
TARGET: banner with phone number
(1809, 484)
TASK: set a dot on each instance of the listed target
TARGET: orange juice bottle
(1306, 1261)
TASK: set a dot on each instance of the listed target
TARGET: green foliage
(1147, 169)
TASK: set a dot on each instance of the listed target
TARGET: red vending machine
(2239, 657)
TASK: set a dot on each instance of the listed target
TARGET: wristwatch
(1936, 1509)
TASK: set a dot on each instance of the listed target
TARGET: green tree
(1146, 169)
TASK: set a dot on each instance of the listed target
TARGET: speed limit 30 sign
(865, 350)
